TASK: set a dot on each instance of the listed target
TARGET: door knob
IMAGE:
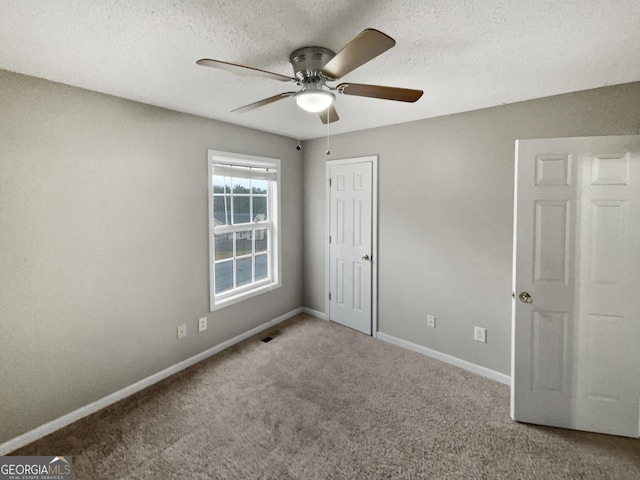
(365, 257)
(525, 297)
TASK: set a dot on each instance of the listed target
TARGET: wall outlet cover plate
(182, 330)
(202, 324)
(480, 334)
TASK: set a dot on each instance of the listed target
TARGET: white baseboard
(69, 418)
(314, 313)
(472, 367)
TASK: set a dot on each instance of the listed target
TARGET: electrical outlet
(182, 330)
(202, 324)
(431, 321)
(480, 334)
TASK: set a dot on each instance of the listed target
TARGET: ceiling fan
(315, 66)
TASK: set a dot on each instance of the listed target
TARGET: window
(243, 226)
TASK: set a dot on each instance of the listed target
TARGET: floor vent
(270, 337)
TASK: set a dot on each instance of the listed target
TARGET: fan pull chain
(298, 147)
(328, 151)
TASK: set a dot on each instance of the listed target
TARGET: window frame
(274, 267)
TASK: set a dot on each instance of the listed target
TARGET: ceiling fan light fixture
(315, 100)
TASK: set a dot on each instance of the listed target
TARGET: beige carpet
(324, 402)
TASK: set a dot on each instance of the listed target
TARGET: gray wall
(103, 233)
(103, 244)
(446, 211)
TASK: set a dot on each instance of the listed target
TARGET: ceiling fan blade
(263, 102)
(329, 115)
(378, 91)
(243, 70)
(367, 45)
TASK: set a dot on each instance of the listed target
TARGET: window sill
(231, 300)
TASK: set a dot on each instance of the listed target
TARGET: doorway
(351, 254)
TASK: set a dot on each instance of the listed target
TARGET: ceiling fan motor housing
(307, 63)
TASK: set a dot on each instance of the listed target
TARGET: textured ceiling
(464, 54)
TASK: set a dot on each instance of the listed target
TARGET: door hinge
(329, 181)
(329, 238)
(329, 295)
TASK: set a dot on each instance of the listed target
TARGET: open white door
(350, 244)
(576, 310)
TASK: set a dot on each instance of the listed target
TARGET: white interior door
(576, 310)
(350, 247)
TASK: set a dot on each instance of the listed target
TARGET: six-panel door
(350, 247)
(575, 353)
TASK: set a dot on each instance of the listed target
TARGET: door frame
(373, 159)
